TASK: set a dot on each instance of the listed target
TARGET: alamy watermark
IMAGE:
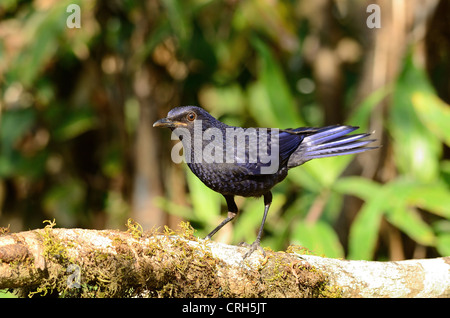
(74, 279)
(259, 146)
(373, 21)
(74, 18)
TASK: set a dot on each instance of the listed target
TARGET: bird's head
(186, 116)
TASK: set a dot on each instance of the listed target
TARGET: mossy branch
(110, 263)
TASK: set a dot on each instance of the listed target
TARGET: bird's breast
(233, 182)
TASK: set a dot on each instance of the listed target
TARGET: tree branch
(109, 263)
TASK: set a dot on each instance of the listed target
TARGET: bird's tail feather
(328, 142)
(332, 141)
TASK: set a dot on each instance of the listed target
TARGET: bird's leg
(231, 216)
(232, 212)
(256, 244)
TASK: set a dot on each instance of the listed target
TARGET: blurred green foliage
(71, 102)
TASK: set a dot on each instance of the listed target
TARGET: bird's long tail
(328, 142)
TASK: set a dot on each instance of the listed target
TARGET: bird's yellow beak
(167, 123)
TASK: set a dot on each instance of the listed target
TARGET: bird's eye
(191, 116)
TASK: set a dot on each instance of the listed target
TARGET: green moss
(134, 228)
(53, 247)
(54, 250)
(188, 271)
(284, 272)
(180, 269)
(298, 249)
(5, 230)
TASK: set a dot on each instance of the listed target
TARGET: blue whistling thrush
(248, 162)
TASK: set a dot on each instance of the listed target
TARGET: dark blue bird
(250, 161)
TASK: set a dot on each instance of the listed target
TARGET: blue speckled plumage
(240, 168)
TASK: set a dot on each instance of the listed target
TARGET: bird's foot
(253, 247)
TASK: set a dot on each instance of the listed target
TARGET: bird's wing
(253, 157)
(248, 154)
(289, 140)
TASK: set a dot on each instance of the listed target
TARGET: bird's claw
(253, 247)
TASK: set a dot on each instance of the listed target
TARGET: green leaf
(394, 200)
(74, 124)
(315, 175)
(303, 178)
(443, 244)
(434, 113)
(327, 170)
(319, 237)
(360, 117)
(179, 18)
(364, 230)
(42, 29)
(409, 221)
(358, 186)
(64, 201)
(283, 111)
(14, 124)
(173, 208)
(434, 198)
(225, 100)
(417, 149)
